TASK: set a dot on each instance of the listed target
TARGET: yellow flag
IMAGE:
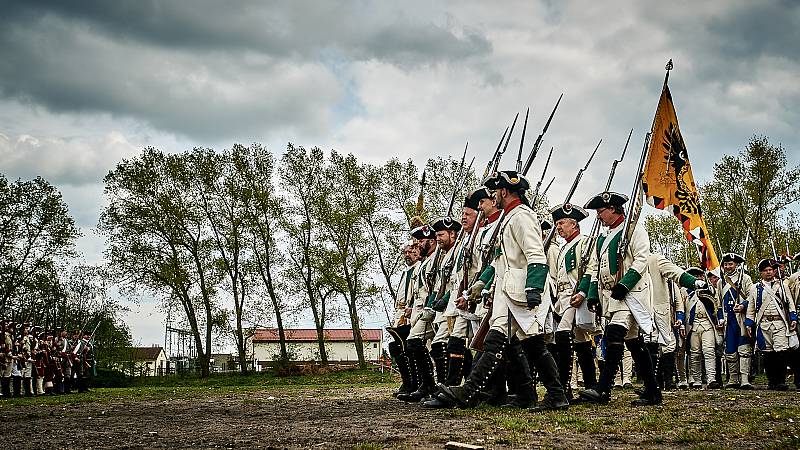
(668, 181)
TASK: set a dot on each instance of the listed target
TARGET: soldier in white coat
(623, 293)
(519, 273)
(772, 320)
(447, 238)
(420, 318)
(400, 326)
(576, 325)
(697, 319)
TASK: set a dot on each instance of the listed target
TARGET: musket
(447, 268)
(784, 299)
(538, 142)
(571, 192)
(522, 141)
(431, 275)
(541, 179)
(788, 254)
(636, 209)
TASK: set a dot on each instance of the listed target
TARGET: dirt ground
(369, 418)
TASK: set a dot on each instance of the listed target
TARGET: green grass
(179, 387)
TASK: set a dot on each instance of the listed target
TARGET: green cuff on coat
(687, 280)
(537, 274)
(630, 279)
(488, 275)
(594, 294)
(583, 286)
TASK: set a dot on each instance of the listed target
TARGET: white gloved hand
(700, 284)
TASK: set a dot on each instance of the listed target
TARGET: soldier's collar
(512, 204)
(617, 222)
(573, 236)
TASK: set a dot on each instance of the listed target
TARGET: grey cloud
(210, 71)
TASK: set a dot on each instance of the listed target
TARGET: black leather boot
(615, 346)
(424, 372)
(794, 363)
(497, 388)
(519, 369)
(668, 371)
(439, 355)
(583, 351)
(547, 372)
(401, 361)
(456, 359)
(5, 385)
(472, 393)
(651, 395)
(564, 358)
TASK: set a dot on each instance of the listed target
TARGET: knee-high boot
(615, 347)
(424, 365)
(564, 357)
(583, 351)
(519, 370)
(547, 371)
(439, 355)
(472, 393)
(456, 351)
(401, 360)
(641, 356)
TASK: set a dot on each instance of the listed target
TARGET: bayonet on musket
(538, 142)
(505, 146)
(571, 192)
(495, 157)
(522, 141)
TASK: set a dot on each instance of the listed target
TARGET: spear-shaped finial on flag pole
(668, 67)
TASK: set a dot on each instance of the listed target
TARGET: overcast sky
(85, 84)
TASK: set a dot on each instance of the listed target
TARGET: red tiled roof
(310, 335)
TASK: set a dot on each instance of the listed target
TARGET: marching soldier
(794, 354)
(697, 319)
(623, 299)
(665, 275)
(400, 328)
(421, 327)
(771, 319)
(577, 323)
(518, 274)
(733, 289)
(446, 238)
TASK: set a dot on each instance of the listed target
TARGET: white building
(145, 361)
(302, 345)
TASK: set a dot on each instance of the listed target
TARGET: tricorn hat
(732, 257)
(476, 196)
(767, 262)
(606, 199)
(507, 179)
(545, 224)
(568, 211)
(446, 223)
(423, 232)
(695, 271)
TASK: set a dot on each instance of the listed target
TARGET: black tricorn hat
(545, 224)
(507, 179)
(732, 257)
(767, 262)
(606, 199)
(423, 232)
(446, 223)
(568, 211)
(476, 196)
(695, 271)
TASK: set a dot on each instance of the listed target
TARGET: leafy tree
(748, 193)
(36, 231)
